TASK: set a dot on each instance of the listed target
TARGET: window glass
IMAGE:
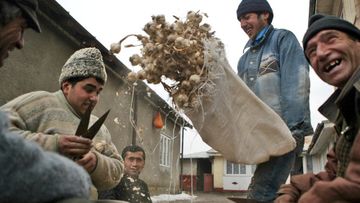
(165, 149)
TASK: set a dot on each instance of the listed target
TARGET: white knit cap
(86, 62)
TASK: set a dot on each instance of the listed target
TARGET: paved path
(209, 197)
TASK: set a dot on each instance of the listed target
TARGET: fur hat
(250, 6)
(86, 62)
(320, 22)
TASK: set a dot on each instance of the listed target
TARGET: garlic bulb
(115, 48)
(173, 54)
(132, 77)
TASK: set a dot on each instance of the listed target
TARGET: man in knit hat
(332, 47)
(275, 69)
(51, 119)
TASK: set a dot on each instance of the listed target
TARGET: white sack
(233, 120)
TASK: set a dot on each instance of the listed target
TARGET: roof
(324, 135)
(197, 155)
(55, 13)
(202, 155)
(307, 142)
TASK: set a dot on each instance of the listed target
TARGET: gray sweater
(29, 174)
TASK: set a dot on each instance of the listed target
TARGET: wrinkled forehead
(323, 35)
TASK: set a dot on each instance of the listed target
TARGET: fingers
(79, 139)
(285, 198)
(70, 145)
(88, 162)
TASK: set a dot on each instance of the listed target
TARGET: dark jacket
(341, 179)
(133, 190)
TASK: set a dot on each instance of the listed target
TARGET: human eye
(310, 51)
(132, 159)
(330, 38)
(245, 17)
(89, 88)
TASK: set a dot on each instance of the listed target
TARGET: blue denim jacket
(276, 70)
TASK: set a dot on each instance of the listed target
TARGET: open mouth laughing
(247, 30)
(332, 65)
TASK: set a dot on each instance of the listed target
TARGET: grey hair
(8, 12)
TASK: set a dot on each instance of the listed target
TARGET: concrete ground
(198, 197)
(211, 197)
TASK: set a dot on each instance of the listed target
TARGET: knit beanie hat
(86, 62)
(250, 6)
(320, 22)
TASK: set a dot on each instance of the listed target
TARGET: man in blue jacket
(275, 69)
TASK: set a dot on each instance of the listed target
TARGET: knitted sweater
(43, 116)
(29, 174)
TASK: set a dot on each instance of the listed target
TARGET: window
(165, 149)
(232, 168)
(253, 167)
(239, 169)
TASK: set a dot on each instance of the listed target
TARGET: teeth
(332, 64)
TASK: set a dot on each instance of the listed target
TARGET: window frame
(249, 169)
(165, 150)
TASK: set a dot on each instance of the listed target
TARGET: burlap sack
(235, 122)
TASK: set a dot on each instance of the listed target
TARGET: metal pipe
(181, 157)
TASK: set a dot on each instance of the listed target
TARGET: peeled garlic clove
(115, 48)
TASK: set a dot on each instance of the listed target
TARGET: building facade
(38, 66)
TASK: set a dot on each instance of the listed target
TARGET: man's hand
(88, 161)
(285, 198)
(74, 146)
(287, 194)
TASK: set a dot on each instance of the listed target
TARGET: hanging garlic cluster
(173, 55)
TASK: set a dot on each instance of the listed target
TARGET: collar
(260, 37)
(59, 94)
(130, 176)
(331, 106)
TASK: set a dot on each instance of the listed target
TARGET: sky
(111, 20)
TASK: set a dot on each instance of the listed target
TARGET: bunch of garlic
(173, 55)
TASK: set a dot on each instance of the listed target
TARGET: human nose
(322, 51)
(94, 97)
(242, 23)
(133, 164)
